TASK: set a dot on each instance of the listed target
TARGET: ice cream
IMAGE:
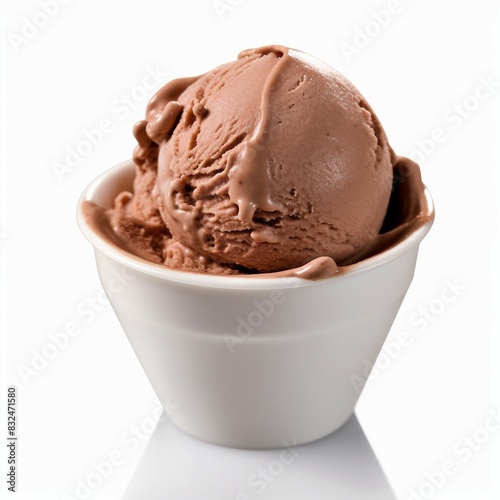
(269, 168)
(271, 163)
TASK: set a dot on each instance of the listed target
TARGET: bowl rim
(259, 281)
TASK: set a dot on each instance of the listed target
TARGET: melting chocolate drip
(161, 116)
(250, 182)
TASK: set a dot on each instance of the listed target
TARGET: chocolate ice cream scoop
(276, 160)
(264, 164)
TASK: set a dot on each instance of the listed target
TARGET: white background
(64, 73)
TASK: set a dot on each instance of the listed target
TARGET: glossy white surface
(342, 465)
(94, 65)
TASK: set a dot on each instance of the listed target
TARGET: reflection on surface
(341, 466)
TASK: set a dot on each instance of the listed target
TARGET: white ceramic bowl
(251, 362)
